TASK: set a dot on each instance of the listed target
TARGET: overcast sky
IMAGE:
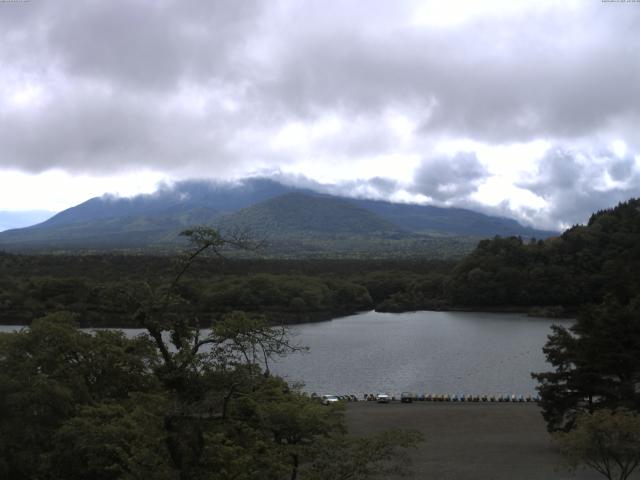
(528, 108)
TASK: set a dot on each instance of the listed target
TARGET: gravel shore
(470, 441)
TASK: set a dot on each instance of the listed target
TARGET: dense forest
(550, 277)
(102, 288)
(175, 404)
(581, 266)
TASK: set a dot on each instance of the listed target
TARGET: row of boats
(408, 397)
(460, 398)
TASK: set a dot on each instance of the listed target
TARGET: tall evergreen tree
(596, 364)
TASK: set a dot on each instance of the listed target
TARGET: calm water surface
(433, 352)
(436, 352)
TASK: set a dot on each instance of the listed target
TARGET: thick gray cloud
(445, 179)
(577, 184)
(377, 188)
(90, 131)
(133, 44)
(123, 84)
(205, 88)
(497, 79)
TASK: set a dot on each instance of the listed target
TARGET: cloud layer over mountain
(524, 108)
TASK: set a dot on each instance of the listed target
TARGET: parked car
(407, 397)
(329, 399)
(383, 398)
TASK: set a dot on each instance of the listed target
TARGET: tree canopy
(175, 403)
(606, 441)
(596, 364)
(582, 266)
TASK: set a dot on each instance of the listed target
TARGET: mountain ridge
(314, 213)
(264, 206)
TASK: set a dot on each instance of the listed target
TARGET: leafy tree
(49, 373)
(596, 364)
(606, 441)
(297, 424)
(113, 441)
(173, 404)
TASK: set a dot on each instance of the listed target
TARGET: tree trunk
(294, 471)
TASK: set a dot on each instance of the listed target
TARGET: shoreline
(292, 319)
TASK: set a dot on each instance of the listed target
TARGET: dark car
(407, 397)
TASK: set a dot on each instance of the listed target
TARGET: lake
(423, 352)
(432, 352)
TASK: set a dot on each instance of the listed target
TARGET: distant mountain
(147, 220)
(300, 212)
(430, 219)
(27, 218)
(105, 233)
(296, 222)
(183, 197)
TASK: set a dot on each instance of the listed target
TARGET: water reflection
(437, 352)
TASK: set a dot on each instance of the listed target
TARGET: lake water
(432, 352)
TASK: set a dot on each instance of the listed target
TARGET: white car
(383, 398)
(329, 399)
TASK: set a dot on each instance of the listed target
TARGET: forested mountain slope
(429, 218)
(296, 212)
(298, 222)
(581, 266)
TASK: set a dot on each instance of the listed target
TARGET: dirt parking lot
(470, 441)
